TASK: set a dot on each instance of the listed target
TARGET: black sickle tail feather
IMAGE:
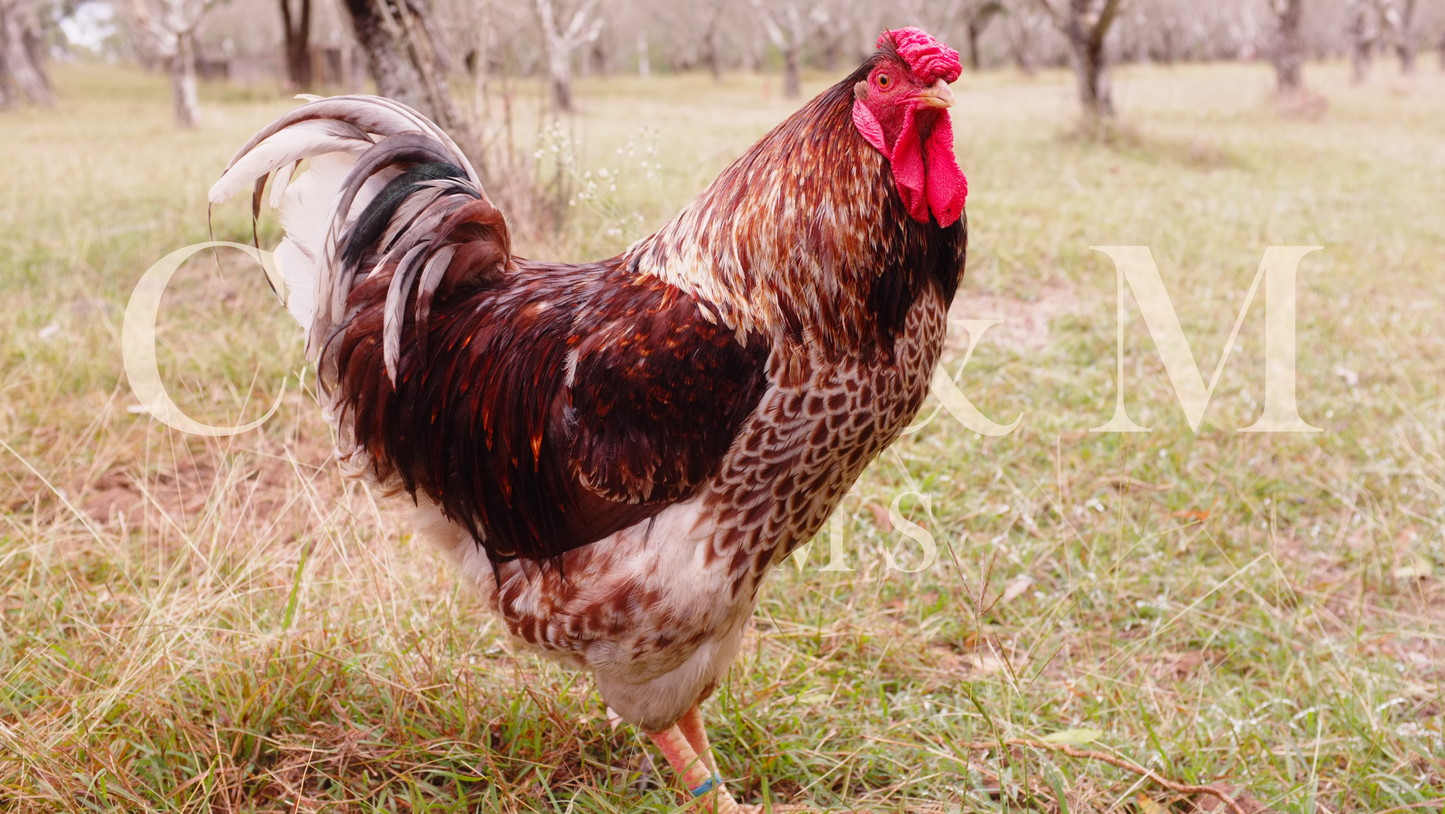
(373, 221)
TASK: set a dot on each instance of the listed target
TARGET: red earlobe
(868, 126)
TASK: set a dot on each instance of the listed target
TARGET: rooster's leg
(702, 781)
(692, 729)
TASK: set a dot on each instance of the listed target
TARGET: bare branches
(171, 35)
(976, 19)
(1086, 23)
(695, 33)
(560, 41)
(1230, 804)
(1055, 16)
(789, 32)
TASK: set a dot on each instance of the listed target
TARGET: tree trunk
(403, 58)
(1086, 33)
(1024, 59)
(1289, 52)
(973, 31)
(977, 20)
(559, 65)
(600, 58)
(712, 54)
(19, 63)
(1091, 69)
(297, 33)
(374, 22)
(1361, 42)
(560, 37)
(183, 81)
(644, 65)
(1086, 28)
(1405, 42)
(1021, 44)
(792, 72)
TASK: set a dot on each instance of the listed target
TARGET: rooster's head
(901, 108)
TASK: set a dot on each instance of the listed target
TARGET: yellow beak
(939, 96)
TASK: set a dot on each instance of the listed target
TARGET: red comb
(929, 59)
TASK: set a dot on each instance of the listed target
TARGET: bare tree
(1085, 24)
(1403, 26)
(296, 29)
(559, 41)
(404, 56)
(171, 35)
(976, 19)
(21, 65)
(711, 14)
(831, 34)
(697, 28)
(789, 36)
(1288, 47)
(1364, 33)
(1023, 27)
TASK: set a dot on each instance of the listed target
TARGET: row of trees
(414, 49)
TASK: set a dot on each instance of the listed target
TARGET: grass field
(191, 624)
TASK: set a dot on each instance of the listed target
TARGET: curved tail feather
(386, 192)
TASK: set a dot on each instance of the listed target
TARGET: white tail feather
(279, 181)
(301, 140)
(331, 135)
(299, 273)
(306, 210)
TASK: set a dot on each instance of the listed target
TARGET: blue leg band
(707, 786)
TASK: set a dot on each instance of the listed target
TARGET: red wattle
(927, 176)
(908, 170)
(947, 186)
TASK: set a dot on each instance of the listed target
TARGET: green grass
(223, 625)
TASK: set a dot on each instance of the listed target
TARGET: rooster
(616, 453)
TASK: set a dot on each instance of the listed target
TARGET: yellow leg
(697, 775)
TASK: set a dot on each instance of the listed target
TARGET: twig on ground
(1127, 765)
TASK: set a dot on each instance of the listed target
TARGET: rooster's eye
(884, 81)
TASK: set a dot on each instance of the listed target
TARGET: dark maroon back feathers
(556, 404)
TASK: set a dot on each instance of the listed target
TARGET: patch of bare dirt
(262, 482)
(1026, 322)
